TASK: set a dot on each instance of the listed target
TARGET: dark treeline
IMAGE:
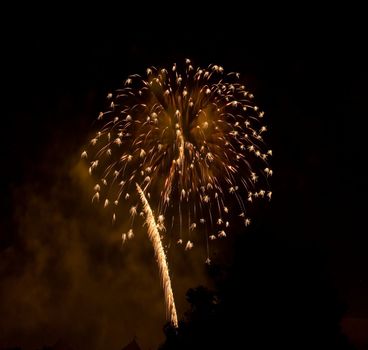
(276, 295)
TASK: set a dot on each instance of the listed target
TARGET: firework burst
(191, 140)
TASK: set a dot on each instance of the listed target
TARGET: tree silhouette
(133, 345)
(274, 295)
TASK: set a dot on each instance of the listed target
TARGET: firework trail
(160, 255)
(187, 142)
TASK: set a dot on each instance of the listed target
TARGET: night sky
(63, 273)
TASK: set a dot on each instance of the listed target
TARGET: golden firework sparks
(187, 142)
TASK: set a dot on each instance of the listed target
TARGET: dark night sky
(309, 76)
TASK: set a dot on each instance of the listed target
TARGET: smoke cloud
(67, 276)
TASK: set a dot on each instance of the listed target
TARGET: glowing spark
(189, 245)
(96, 196)
(130, 234)
(133, 211)
(222, 234)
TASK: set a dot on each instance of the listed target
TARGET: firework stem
(160, 256)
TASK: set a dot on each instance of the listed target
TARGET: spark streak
(160, 255)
